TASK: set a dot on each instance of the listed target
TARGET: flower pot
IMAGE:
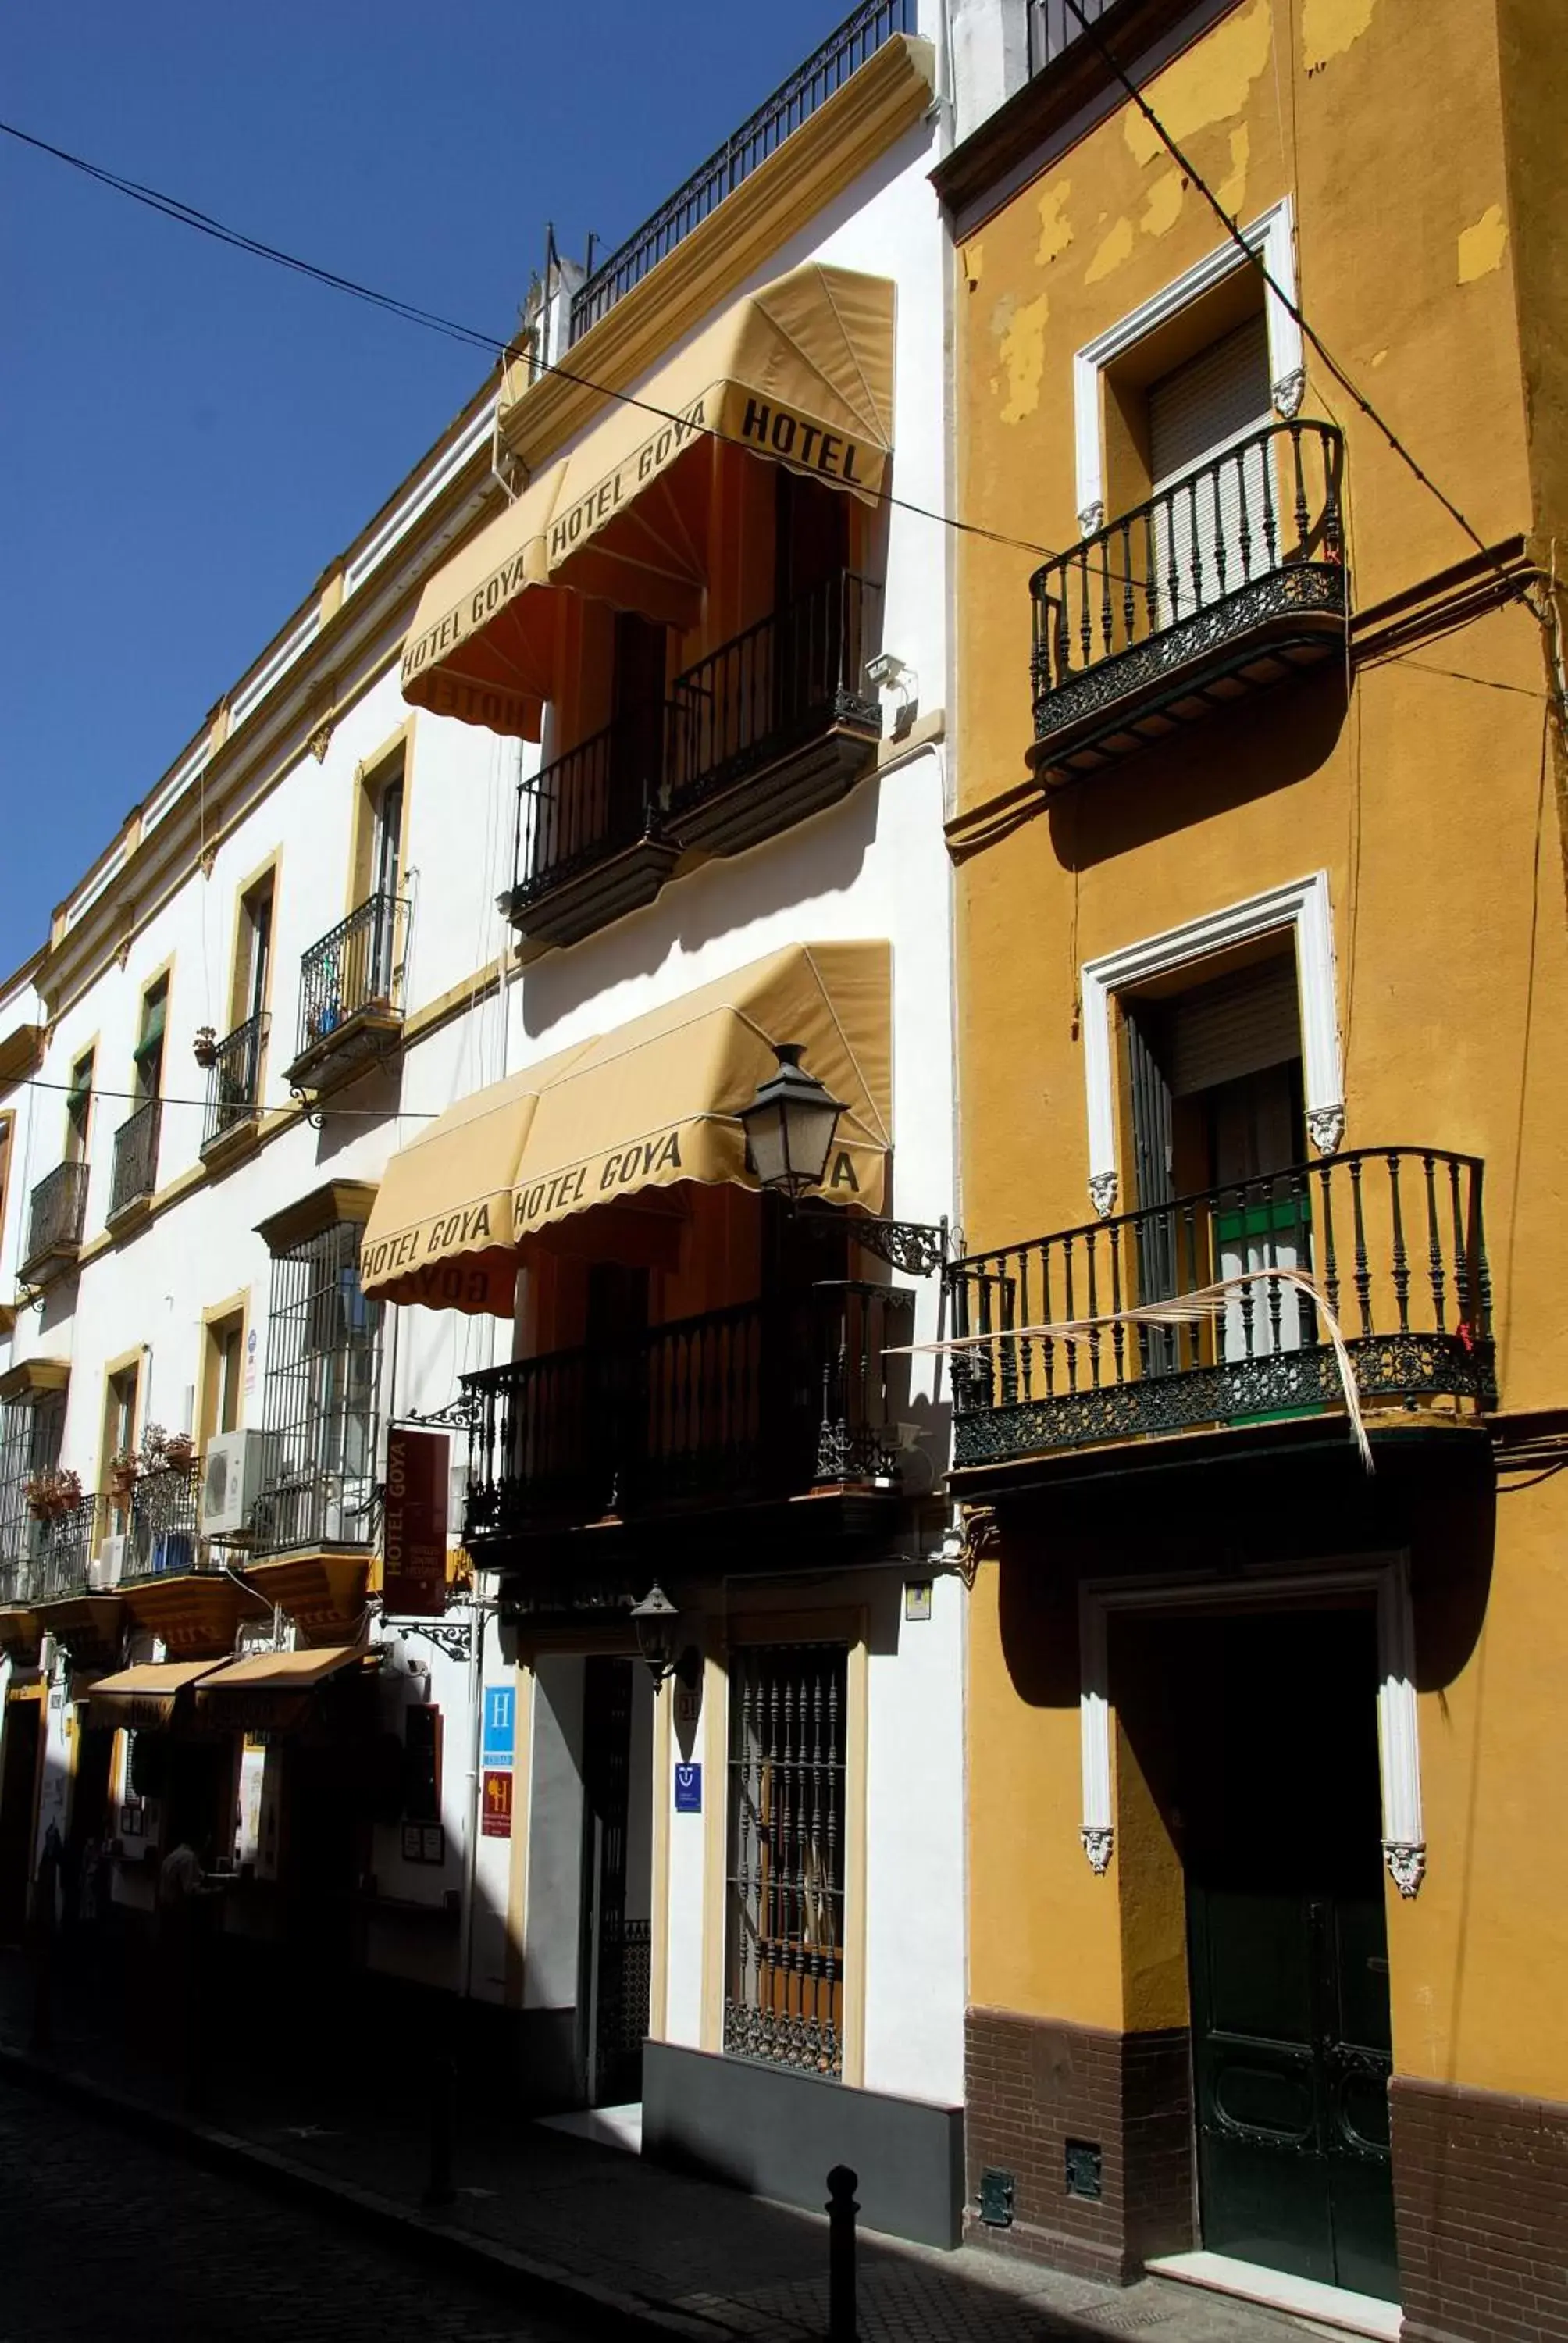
(207, 1047)
(179, 1449)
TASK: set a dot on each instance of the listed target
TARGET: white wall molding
(1387, 1577)
(1272, 236)
(1302, 906)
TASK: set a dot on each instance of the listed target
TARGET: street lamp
(656, 1618)
(789, 1125)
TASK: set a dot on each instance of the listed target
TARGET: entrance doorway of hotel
(1278, 1815)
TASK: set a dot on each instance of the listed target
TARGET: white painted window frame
(1385, 1576)
(1272, 234)
(1302, 907)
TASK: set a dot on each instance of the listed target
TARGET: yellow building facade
(1262, 977)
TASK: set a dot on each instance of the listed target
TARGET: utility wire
(1292, 309)
(188, 215)
(378, 1113)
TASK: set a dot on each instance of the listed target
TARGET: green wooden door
(1289, 1959)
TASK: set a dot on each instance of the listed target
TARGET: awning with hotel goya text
(800, 372)
(142, 1699)
(269, 1692)
(642, 1110)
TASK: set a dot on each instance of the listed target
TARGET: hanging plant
(207, 1046)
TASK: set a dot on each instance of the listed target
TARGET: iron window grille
(1053, 27)
(319, 1414)
(784, 1997)
(30, 1440)
(135, 1165)
(57, 1211)
(234, 1083)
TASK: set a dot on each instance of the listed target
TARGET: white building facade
(373, 1153)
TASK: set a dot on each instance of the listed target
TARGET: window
(373, 957)
(79, 1109)
(323, 1353)
(222, 1376)
(31, 1431)
(148, 1056)
(785, 1961)
(253, 953)
(120, 1392)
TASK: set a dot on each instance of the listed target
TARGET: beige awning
(482, 646)
(267, 1690)
(642, 1108)
(143, 1699)
(801, 372)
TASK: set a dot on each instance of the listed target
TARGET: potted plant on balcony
(50, 1494)
(207, 1047)
(125, 1471)
(179, 1452)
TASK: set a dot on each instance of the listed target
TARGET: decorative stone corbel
(1288, 393)
(1406, 1860)
(1092, 519)
(981, 1540)
(1103, 1187)
(1326, 1127)
(1099, 1846)
(321, 740)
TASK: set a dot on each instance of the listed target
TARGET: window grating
(318, 1418)
(785, 1988)
(30, 1437)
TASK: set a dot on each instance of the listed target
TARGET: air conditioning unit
(108, 1565)
(230, 1473)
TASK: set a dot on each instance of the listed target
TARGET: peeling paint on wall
(1208, 85)
(1329, 27)
(1232, 191)
(1163, 208)
(1481, 247)
(1023, 355)
(1055, 230)
(1112, 251)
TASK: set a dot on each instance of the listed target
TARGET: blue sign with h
(500, 1724)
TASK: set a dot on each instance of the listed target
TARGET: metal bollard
(439, 2190)
(842, 2209)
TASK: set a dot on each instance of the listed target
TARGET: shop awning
(482, 646)
(801, 372)
(639, 1110)
(142, 1700)
(270, 1690)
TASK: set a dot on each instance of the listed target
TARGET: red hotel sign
(414, 1577)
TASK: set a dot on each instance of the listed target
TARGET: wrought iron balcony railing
(861, 34)
(1388, 1240)
(161, 1532)
(1053, 27)
(136, 1167)
(56, 1214)
(783, 683)
(356, 968)
(757, 1400)
(66, 1543)
(584, 807)
(1244, 554)
(233, 1081)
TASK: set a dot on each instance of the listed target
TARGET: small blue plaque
(500, 1724)
(689, 1789)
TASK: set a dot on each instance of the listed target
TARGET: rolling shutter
(1215, 399)
(1237, 1025)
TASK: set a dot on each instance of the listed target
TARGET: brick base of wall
(1481, 2195)
(1033, 2086)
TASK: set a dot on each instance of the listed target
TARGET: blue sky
(190, 435)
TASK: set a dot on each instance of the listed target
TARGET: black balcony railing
(753, 1401)
(1053, 27)
(581, 809)
(1251, 543)
(56, 1215)
(861, 34)
(65, 1545)
(782, 683)
(357, 967)
(233, 1081)
(1390, 1239)
(135, 1166)
(161, 1532)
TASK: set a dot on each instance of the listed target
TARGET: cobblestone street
(111, 2239)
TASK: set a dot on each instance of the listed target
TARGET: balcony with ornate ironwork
(234, 1089)
(56, 1215)
(134, 1174)
(777, 724)
(771, 727)
(66, 1543)
(1355, 1285)
(162, 1534)
(749, 1408)
(588, 846)
(351, 997)
(1229, 580)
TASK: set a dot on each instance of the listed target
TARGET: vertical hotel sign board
(415, 1574)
